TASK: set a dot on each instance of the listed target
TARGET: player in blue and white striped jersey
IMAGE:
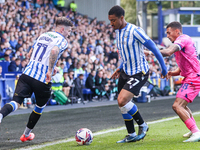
(133, 71)
(39, 61)
(37, 76)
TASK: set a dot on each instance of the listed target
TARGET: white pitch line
(97, 133)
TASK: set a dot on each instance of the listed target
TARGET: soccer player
(133, 71)
(37, 75)
(188, 66)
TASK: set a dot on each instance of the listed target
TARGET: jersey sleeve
(140, 35)
(181, 42)
(62, 44)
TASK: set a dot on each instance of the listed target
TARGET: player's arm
(53, 57)
(52, 60)
(152, 46)
(176, 72)
(173, 73)
(30, 53)
(140, 35)
(170, 50)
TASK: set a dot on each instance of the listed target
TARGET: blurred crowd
(91, 54)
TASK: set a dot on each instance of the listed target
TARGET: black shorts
(132, 83)
(26, 85)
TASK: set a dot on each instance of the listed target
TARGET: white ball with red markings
(84, 136)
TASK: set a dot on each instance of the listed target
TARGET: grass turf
(161, 136)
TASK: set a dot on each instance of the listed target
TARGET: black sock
(7, 109)
(33, 119)
(138, 118)
(130, 126)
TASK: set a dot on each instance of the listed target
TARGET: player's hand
(116, 74)
(163, 76)
(48, 77)
(29, 55)
(169, 74)
(147, 53)
(56, 69)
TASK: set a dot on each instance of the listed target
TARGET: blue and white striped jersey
(130, 42)
(39, 61)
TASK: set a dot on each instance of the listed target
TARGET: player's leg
(66, 90)
(125, 105)
(128, 119)
(187, 135)
(185, 95)
(8, 108)
(129, 110)
(42, 93)
(133, 85)
(180, 107)
(20, 93)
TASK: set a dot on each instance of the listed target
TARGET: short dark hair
(116, 10)
(63, 21)
(175, 25)
(17, 59)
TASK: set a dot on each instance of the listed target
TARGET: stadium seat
(87, 92)
(7, 87)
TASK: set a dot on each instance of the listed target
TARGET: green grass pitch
(161, 136)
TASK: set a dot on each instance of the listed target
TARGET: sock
(193, 119)
(33, 119)
(27, 132)
(133, 111)
(7, 109)
(130, 126)
(191, 125)
(128, 120)
(132, 134)
(138, 118)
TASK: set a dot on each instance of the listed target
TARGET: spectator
(19, 44)
(61, 5)
(78, 70)
(98, 84)
(68, 64)
(2, 47)
(73, 7)
(15, 66)
(113, 54)
(61, 68)
(4, 37)
(20, 53)
(66, 87)
(23, 64)
(13, 42)
(90, 81)
(79, 86)
(70, 78)
(6, 58)
(99, 49)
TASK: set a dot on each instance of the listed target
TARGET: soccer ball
(84, 136)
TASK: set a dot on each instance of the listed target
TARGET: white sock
(1, 117)
(142, 125)
(132, 134)
(27, 132)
